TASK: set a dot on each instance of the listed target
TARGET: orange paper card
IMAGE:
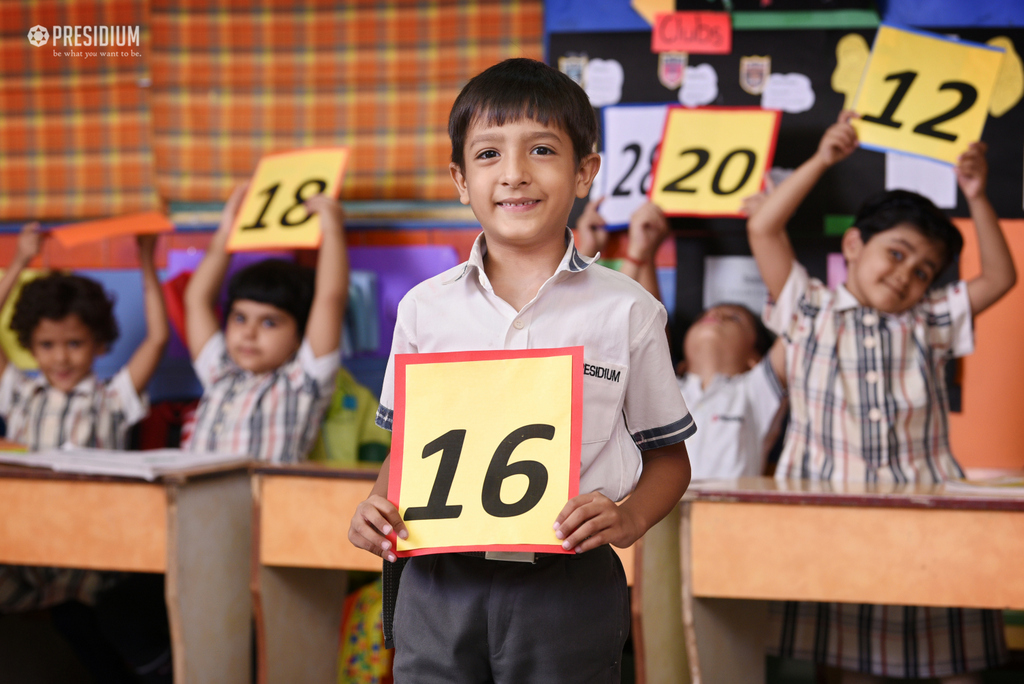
(93, 231)
(485, 450)
(272, 215)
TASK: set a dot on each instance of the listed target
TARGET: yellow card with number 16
(712, 158)
(486, 448)
(924, 94)
(272, 215)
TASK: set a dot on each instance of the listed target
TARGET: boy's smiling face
(892, 271)
(65, 351)
(521, 179)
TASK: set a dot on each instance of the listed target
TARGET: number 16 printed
(486, 448)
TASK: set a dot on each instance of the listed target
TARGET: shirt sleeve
(11, 379)
(402, 343)
(948, 320)
(764, 394)
(322, 371)
(122, 395)
(654, 409)
(212, 361)
(780, 316)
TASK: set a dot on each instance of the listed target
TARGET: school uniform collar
(572, 261)
(845, 300)
(85, 386)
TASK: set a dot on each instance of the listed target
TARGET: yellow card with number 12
(924, 94)
(272, 215)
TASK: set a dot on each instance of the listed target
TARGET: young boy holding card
(522, 151)
(269, 376)
(866, 370)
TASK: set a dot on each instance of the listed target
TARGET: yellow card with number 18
(924, 94)
(712, 158)
(272, 215)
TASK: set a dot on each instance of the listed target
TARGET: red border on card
(769, 157)
(250, 190)
(402, 361)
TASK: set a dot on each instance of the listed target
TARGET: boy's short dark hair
(59, 295)
(889, 209)
(518, 88)
(279, 283)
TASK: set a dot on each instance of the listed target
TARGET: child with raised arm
(732, 374)
(269, 375)
(865, 364)
(522, 150)
(67, 321)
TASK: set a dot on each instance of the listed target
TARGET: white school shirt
(630, 399)
(867, 389)
(272, 416)
(735, 414)
(95, 413)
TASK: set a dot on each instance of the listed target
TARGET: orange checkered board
(221, 83)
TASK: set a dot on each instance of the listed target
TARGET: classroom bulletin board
(812, 54)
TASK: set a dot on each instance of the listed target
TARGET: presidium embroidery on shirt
(601, 372)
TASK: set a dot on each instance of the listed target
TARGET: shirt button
(875, 415)
(871, 376)
(518, 324)
(869, 320)
(870, 342)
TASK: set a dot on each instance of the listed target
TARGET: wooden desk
(748, 541)
(301, 551)
(194, 527)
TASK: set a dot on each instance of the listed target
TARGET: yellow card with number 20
(924, 94)
(272, 215)
(712, 158)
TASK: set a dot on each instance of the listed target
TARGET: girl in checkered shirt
(865, 367)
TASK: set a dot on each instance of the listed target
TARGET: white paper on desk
(735, 280)
(1007, 485)
(935, 180)
(146, 465)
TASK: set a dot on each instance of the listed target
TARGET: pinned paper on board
(602, 80)
(470, 480)
(791, 93)
(925, 94)
(713, 158)
(648, 9)
(699, 33)
(1010, 81)
(272, 215)
(852, 53)
(146, 223)
(700, 86)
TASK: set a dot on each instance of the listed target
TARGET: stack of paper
(147, 465)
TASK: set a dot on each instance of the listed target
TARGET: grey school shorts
(466, 619)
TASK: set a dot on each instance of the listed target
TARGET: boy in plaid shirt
(865, 366)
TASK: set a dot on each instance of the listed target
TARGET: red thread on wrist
(633, 260)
